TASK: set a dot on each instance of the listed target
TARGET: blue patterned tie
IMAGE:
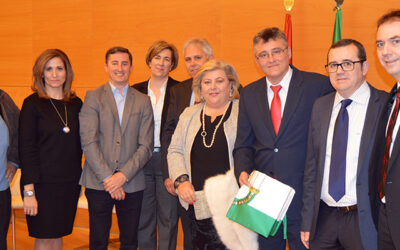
(337, 172)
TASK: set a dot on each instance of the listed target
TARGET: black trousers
(100, 218)
(385, 240)
(336, 229)
(159, 210)
(5, 212)
(186, 227)
(204, 234)
(277, 242)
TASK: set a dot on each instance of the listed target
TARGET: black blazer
(142, 87)
(392, 185)
(179, 100)
(283, 155)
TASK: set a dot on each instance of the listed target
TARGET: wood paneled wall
(85, 29)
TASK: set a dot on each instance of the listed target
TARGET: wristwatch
(29, 193)
(180, 180)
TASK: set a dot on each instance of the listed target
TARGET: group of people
(149, 148)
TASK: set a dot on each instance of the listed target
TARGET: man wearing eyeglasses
(385, 163)
(336, 211)
(274, 113)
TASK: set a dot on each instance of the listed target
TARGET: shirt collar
(116, 91)
(163, 86)
(360, 96)
(284, 82)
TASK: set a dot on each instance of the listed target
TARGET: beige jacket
(184, 135)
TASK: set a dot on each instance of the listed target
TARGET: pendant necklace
(65, 129)
(204, 133)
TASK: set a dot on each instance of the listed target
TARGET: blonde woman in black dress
(202, 145)
(50, 151)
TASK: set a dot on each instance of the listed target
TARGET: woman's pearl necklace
(204, 133)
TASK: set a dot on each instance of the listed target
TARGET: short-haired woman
(159, 208)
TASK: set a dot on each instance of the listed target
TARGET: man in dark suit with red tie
(385, 163)
(274, 113)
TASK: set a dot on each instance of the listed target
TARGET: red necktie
(276, 108)
(393, 118)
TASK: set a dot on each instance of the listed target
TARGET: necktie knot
(276, 89)
(398, 93)
(345, 103)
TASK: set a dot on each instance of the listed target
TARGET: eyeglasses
(346, 66)
(274, 53)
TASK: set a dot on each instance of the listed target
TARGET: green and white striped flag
(262, 208)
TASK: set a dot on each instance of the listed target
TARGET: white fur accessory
(220, 192)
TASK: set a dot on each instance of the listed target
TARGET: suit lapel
(396, 145)
(188, 86)
(325, 119)
(144, 87)
(127, 108)
(111, 100)
(292, 99)
(165, 105)
(263, 106)
(370, 122)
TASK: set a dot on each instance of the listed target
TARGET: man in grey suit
(336, 211)
(116, 127)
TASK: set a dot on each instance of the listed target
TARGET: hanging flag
(288, 24)
(337, 30)
(288, 33)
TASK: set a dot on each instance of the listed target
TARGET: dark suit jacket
(283, 155)
(392, 185)
(179, 100)
(315, 165)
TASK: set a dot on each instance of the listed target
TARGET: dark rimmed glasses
(346, 66)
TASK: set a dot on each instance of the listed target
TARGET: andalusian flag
(262, 208)
(337, 30)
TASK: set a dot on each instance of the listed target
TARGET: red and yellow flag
(288, 24)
